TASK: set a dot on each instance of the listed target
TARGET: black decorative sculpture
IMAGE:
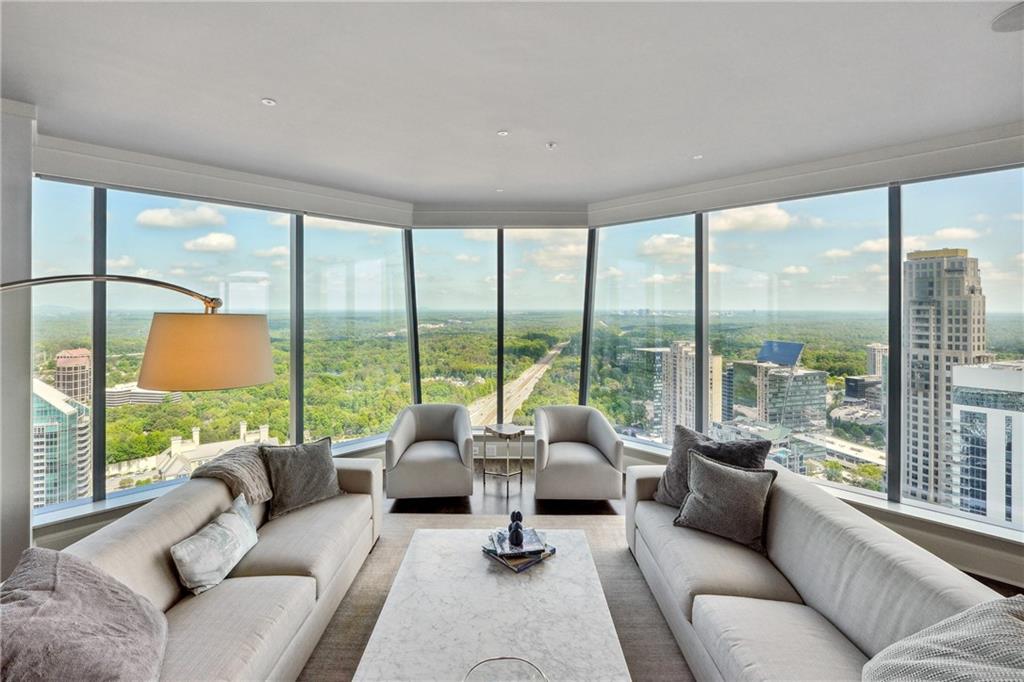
(515, 529)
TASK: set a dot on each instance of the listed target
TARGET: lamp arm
(212, 303)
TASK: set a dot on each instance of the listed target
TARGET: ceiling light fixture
(499, 190)
(551, 146)
(698, 157)
(1010, 20)
(268, 101)
(502, 133)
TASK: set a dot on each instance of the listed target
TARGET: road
(485, 410)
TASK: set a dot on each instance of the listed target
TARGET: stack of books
(517, 557)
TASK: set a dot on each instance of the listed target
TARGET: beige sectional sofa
(263, 621)
(835, 589)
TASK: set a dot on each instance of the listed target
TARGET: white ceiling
(404, 100)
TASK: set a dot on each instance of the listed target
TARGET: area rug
(651, 651)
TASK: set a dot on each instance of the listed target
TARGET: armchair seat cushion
(578, 471)
(313, 541)
(236, 631)
(430, 468)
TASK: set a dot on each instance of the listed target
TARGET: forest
(356, 374)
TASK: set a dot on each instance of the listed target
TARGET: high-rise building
(61, 447)
(679, 382)
(794, 397)
(727, 389)
(987, 462)
(73, 376)
(647, 367)
(943, 327)
(857, 388)
(877, 352)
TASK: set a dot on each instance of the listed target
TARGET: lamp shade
(206, 352)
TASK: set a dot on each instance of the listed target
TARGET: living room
(512, 341)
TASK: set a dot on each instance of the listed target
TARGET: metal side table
(507, 433)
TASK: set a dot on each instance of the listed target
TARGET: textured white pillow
(205, 559)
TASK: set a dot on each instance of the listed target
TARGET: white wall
(17, 133)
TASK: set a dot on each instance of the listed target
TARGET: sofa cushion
(430, 468)
(696, 563)
(300, 475)
(313, 541)
(874, 585)
(137, 549)
(761, 639)
(238, 630)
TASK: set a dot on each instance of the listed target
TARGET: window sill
(86, 509)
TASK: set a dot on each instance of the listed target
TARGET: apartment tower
(943, 327)
(73, 375)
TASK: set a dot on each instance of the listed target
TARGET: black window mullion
(98, 409)
(894, 376)
(588, 314)
(501, 327)
(702, 355)
(297, 320)
(411, 317)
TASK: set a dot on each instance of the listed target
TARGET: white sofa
(429, 453)
(578, 454)
(835, 589)
(264, 620)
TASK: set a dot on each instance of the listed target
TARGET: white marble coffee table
(450, 607)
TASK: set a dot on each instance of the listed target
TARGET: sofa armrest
(463, 436)
(365, 476)
(641, 482)
(541, 438)
(401, 436)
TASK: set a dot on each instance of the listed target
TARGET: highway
(485, 410)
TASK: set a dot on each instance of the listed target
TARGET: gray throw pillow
(726, 500)
(203, 560)
(985, 642)
(300, 475)
(65, 619)
(672, 488)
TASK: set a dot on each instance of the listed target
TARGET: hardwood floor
(494, 501)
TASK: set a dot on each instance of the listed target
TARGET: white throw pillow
(205, 559)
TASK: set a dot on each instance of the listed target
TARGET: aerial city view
(798, 332)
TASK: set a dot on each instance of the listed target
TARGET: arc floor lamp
(191, 351)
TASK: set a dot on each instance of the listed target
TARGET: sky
(824, 253)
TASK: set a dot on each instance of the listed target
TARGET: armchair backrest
(568, 423)
(435, 422)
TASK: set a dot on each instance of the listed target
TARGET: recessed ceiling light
(698, 157)
(551, 146)
(1010, 20)
(270, 102)
(502, 133)
(499, 190)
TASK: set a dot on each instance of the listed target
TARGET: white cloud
(915, 243)
(1020, 257)
(763, 218)
(480, 235)
(177, 272)
(874, 268)
(981, 217)
(659, 278)
(1016, 216)
(611, 272)
(120, 263)
(467, 258)
(796, 269)
(181, 217)
(957, 233)
(213, 242)
(718, 268)
(281, 263)
(559, 256)
(147, 272)
(668, 248)
(272, 252)
(564, 278)
(880, 245)
(836, 254)
(318, 223)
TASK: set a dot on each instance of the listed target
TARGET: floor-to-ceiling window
(356, 351)
(798, 305)
(963, 346)
(456, 300)
(237, 254)
(62, 360)
(544, 281)
(642, 364)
